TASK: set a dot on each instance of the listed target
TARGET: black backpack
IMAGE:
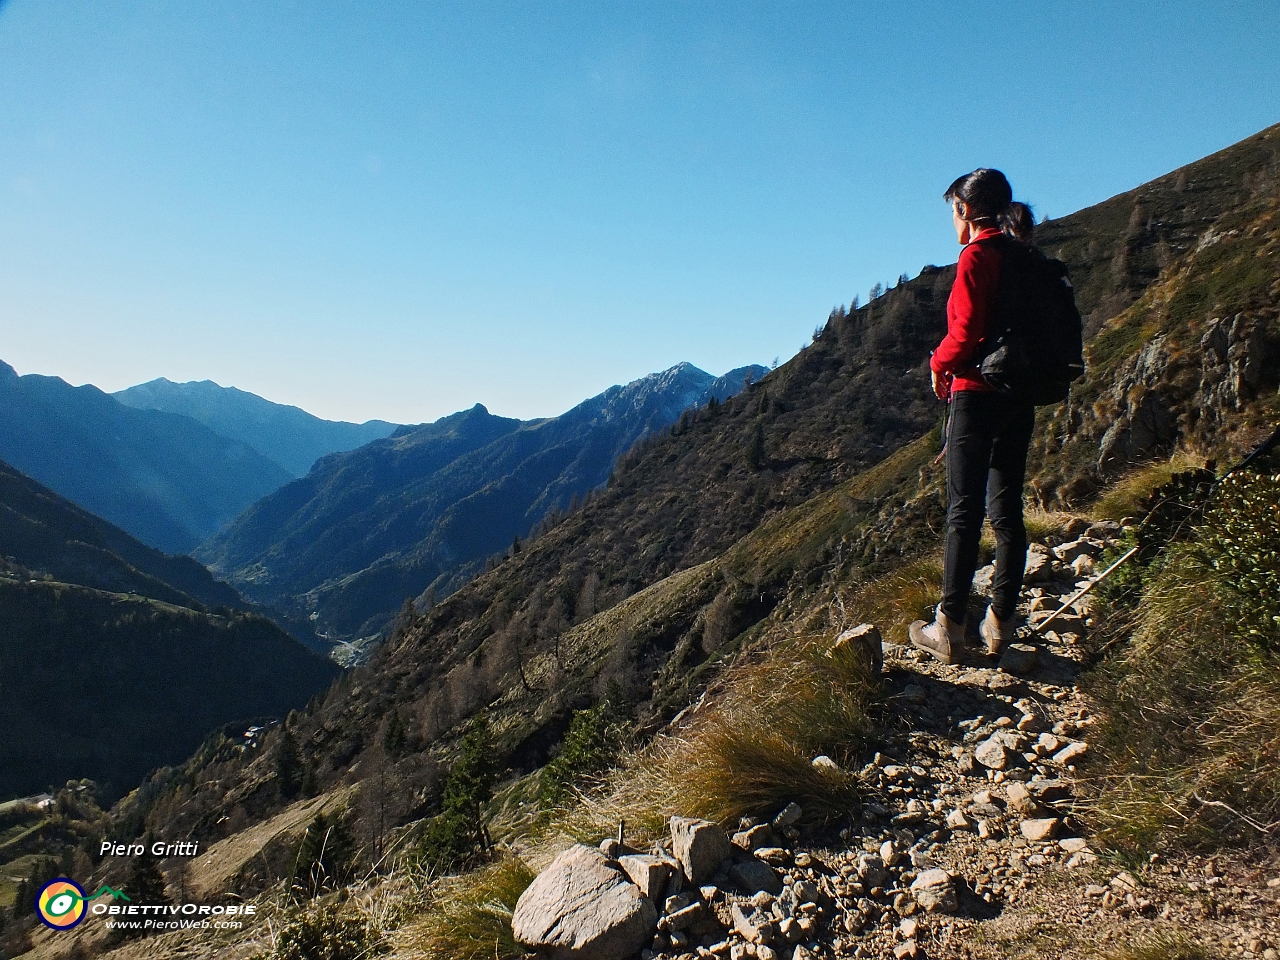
(1035, 338)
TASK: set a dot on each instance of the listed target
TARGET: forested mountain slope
(424, 508)
(116, 658)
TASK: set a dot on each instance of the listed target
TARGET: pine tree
(288, 769)
(394, 737)
(458, 831)
(325, 856)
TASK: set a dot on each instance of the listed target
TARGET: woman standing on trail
(988, 433)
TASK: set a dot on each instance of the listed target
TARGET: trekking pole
(1085, 589)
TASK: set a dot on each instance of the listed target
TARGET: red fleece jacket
(972, 299)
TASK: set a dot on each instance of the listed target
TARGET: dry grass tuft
(469, 917)
(1124, 497)
(751, 753)
(893, 602)
(1162, 946)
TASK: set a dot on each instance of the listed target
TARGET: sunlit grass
(469, 917)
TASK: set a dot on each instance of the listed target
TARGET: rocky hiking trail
(971, 843)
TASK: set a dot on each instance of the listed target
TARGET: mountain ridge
(368, 528)
(283, 433)
(162, 477)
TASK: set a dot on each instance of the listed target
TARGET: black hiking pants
(987, 439)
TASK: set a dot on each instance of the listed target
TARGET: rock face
(699, 846)
(582, 907)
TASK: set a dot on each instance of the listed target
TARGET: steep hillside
(102, 631)
(164, 478)
(287, 435)
(109, 686)
(422, 509)
(637, 587)
(41, 531)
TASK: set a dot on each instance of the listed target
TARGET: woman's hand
(941, 384)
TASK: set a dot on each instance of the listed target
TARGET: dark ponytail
(987, 196)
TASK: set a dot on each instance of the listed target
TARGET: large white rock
(700, 846)
(582, 907)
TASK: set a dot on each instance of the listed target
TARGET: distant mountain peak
(285, 434)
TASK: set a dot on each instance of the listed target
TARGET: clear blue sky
(398, 209)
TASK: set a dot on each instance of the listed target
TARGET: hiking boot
(997, 633)
(944, 638)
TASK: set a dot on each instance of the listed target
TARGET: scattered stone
(1019, 658)
(1071, 752)
(825, 764)
(935, 891)
(752, 925)
(889, 853)
(865, 640)
(983, 579)
(583, 905)
(1040, 831)
(966, 765)
(871, 871)
(752, 876)
(956, 820)
(1039, 560)
(774, 856)
(1050, 791)
(789, 816)
(754, 838)
(683, 918)
(699, 846)
(648, 873)
(1073, 844)
(906, 949)
(992, 754)
(1125, 881)
(1094, 891)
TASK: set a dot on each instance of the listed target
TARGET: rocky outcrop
(1238, 360)
(1145, 424)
